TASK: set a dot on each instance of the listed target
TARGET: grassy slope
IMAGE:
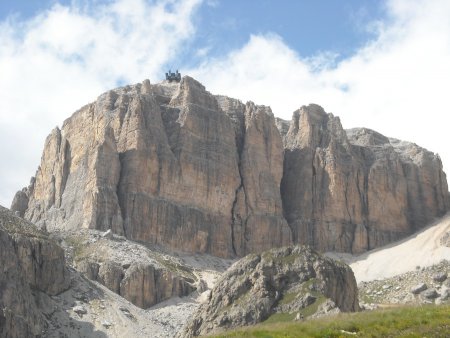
(422, 321)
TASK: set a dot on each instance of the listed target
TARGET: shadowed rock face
(29, 261)
(172, 164)
(289, 280)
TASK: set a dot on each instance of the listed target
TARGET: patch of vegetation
(312, 308)
(306, 286)
(289, 259)
(280, 318)
(423, 321)
(288, 297)
(267, 255)
(79, 248)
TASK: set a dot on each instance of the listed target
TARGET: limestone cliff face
(164, 164)
(172, 164)
(356, 190)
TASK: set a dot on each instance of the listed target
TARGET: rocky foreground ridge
(32, 265)
(172, 164)
(293, 281)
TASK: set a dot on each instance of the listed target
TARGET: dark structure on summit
(173, 76)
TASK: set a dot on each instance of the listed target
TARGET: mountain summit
(172, 164)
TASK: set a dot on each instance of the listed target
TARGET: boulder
(419, 288)
(430, 294)
(440, 277)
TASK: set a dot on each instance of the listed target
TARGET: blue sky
(308, 26)
(380, 64)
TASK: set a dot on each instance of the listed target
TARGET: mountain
(172, 164)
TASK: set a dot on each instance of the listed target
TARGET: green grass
(280, 318)
(421, 321)
(312, 309)
(288, 297)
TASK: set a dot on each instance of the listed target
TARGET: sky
(380, 64)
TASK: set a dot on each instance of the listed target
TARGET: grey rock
(30, 263)
(445, 239)
(123, 309)
(108, 234)
(440, 277)
(107, 324)
(419, 288)
(20, 202)
(429, 294)
(445, 294)
(79, 309)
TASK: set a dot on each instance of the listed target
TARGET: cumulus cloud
(61, 59)
(396, 84)
(52, 64)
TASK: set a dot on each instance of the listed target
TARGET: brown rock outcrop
(172, 164)
(290, 280)
(142, 284)
(138, 274)
(29, 261)
(145, 285)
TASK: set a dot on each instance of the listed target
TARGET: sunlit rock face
(355, 190)
(174, 165)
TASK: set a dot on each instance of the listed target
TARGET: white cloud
(61, 59)
(397, 84)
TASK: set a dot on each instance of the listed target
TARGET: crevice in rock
(236, 219)
(282, 194)
(172, 127)
(65, 172)
(121, 196)
(346, 197)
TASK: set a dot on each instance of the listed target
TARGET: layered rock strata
(356, 190)
(30, 263)
(172, 164)
(291, 281)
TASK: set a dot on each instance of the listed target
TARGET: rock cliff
(30, 263)
(172, 164)
(290, 282)
(356, 190)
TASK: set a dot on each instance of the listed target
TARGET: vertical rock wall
(358, 190)
(172, 164)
